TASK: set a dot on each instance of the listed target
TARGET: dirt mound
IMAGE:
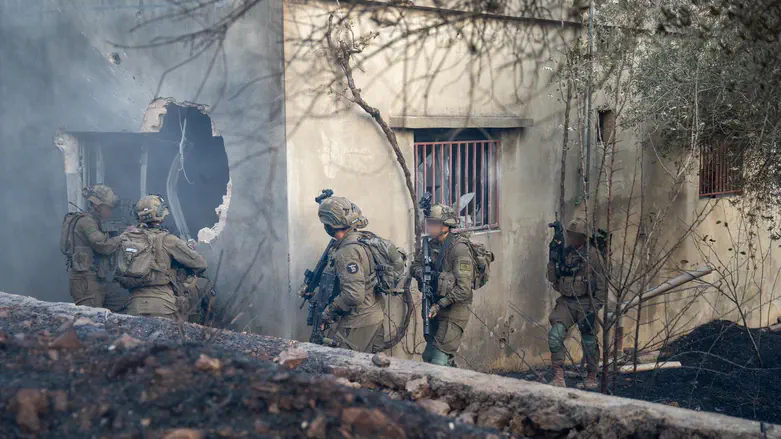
(94, 382)
(721, 373)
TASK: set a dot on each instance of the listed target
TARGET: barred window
(721, 171)
(461, 174)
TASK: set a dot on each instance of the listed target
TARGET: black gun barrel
(427, 293)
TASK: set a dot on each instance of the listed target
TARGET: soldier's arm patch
(465, 267)
(352, 268)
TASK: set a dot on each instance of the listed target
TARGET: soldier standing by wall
(580, 280)
(145, 263)
(88, 249)
(356, 308)
(454, 274)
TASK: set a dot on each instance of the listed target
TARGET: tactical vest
(79, 256)
(576, 284)
(143, 261)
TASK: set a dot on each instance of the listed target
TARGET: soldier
(88, 249)
(454, 274)
(582, 288)
(356, 308)
(145, 263)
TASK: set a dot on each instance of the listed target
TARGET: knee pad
(556, 336)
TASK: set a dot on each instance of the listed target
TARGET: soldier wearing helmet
(581, 283)
(88, 249)
(152, 282)
(356, 311)
(454, 276)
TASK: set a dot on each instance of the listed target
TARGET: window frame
(716, 178)
(441, 152)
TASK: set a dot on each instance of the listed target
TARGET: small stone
(381, 360)
(83, 321)
(673, 404)
(68, 340)
(165, 372)
(29, 405)
(27, 323)
(146, 422)
(60, 398)
(127, 342)
(207, 364)
(418, 388)
(435, 406)
(184, 433)
(273, 408)
(394, 395)
(261, 427)
(371, 423)
(317, 429)
(292, 357)
(345, 382)
(494, 417)
(467, 418)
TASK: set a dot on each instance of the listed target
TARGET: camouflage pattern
(341, 213)
(357, 306)
(575, 306)
(444, 214)
(91, 261)
(151, 208)
(159, 300)
(100, 194)
(453, 314)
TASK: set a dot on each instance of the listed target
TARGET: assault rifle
(326, 281)
(557, 254)
(426, 288)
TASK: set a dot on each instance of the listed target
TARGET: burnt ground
(64, 379)
(721, 373)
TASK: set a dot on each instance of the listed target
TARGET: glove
(303, 293)
(328, 316)
(433, 311)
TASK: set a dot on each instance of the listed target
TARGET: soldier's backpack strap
(441, 258)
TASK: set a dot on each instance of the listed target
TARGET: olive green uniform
(91, 262)
(357, 305)
(157, 297)
(454, 285)
(575, 306)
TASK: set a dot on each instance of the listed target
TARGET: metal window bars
(461, 174)
(721, 171)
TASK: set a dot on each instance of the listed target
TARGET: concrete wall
(331, 145)
(334, 145)
(57, 75)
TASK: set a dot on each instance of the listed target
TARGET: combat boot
(558, 377)
(591, 383)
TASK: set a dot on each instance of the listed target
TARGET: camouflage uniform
(578, 304)
(156, 296)
(357, 307)
(90, 250)
(454, 274)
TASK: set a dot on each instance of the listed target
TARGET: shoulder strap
(72, 230)
(366, 249)
(445, 247)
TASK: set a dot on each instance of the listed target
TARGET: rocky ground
(721, 373)
(64, 377)
(68, 371)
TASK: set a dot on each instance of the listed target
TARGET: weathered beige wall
(330, 145)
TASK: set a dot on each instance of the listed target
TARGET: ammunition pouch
(445, 284)
(573, 286)
(82, 259)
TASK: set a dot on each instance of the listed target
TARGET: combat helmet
(443, 214)
(151, 208)
(341, 213)
(100, 194)
(577, 225)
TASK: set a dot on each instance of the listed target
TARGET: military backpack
(389, 261)
(138, 254)
(68, 229)
(482, 258)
